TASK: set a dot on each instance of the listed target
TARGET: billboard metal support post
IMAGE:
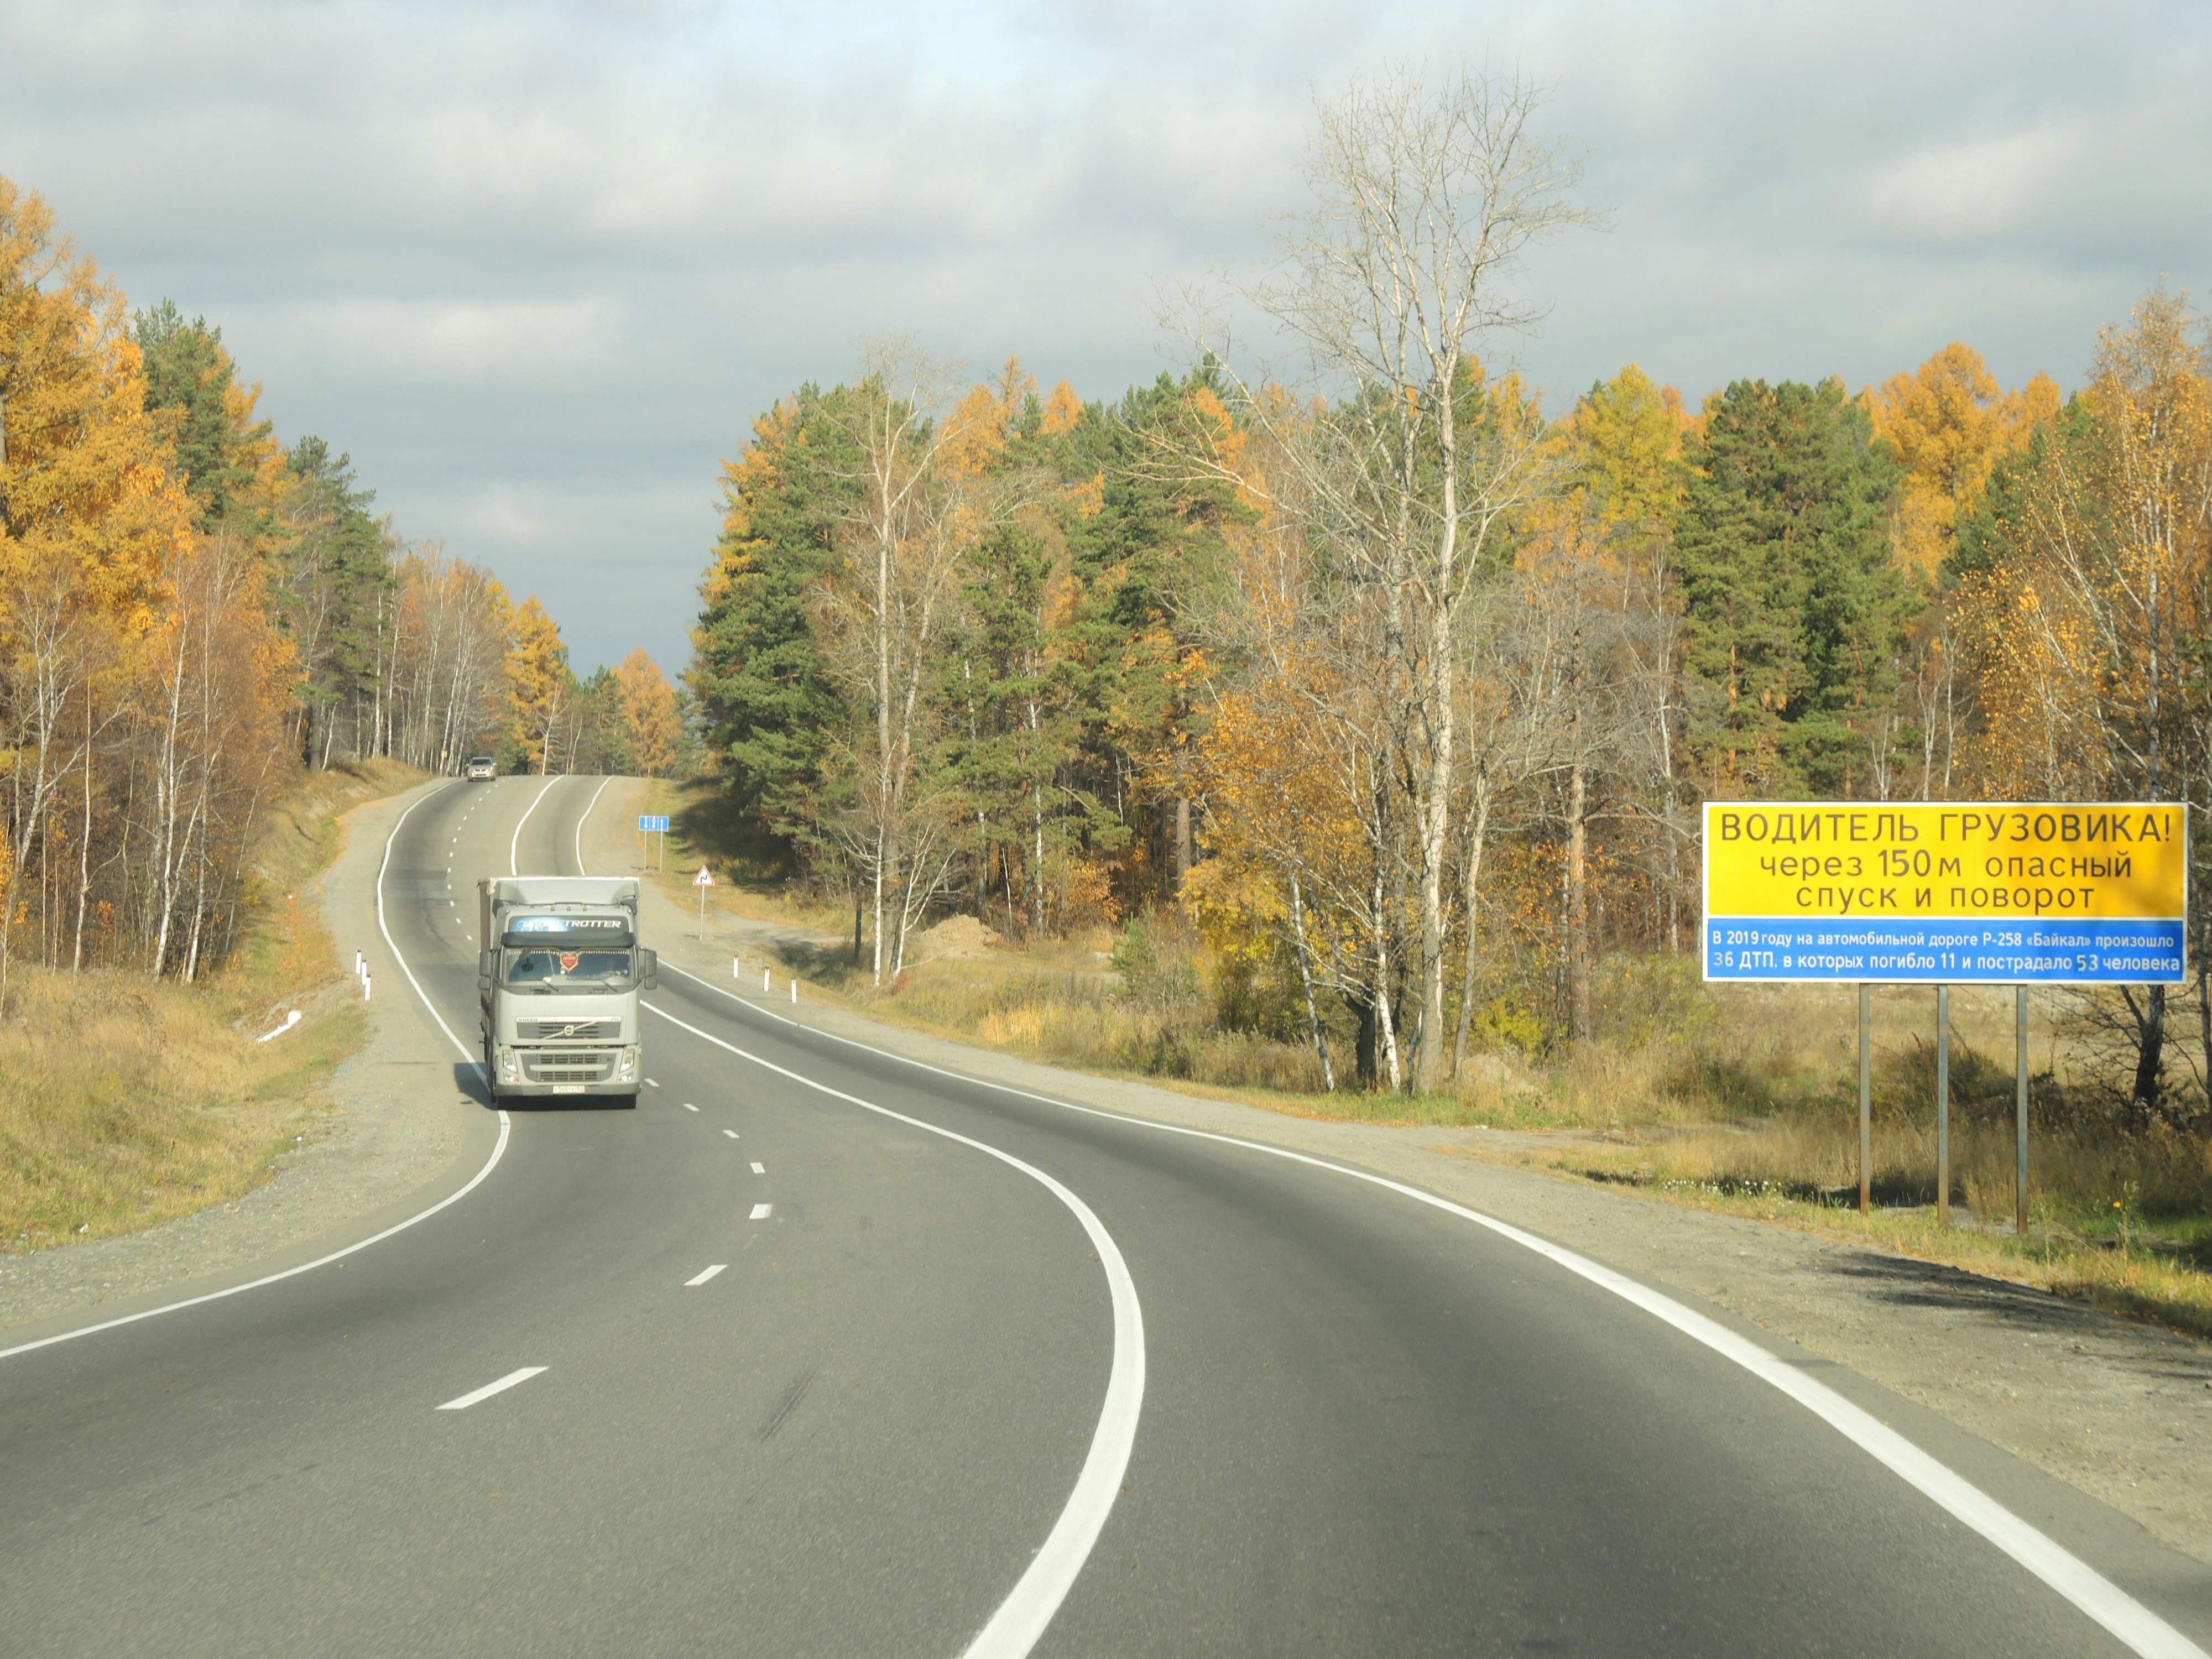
(2020, 1071)
(1866, 1098)
(1943, 1104)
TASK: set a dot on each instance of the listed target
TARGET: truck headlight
(510, 1065)
(626, 1066)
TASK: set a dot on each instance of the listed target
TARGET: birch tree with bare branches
(1428, 194)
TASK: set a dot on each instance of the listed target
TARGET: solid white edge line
(498, 1152)
(700, 1279)
(514, 844)
(491, 1388)
(588, 805)
(1020, 1619)
(2088, 1590)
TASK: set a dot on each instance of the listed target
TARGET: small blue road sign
(647, 822)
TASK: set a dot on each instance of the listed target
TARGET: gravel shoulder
(2118, 1411)
(391, 1127)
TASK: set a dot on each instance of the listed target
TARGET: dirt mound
(957, 938)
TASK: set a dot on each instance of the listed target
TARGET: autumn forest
(1376, 703)
(1364, 707)
(195, 611)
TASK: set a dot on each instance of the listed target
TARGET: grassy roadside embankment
(1738, 1099)
(127, 1102)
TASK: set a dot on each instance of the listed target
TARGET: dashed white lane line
(1020, 1619)
(760, 1169)
(732, 1133)
(694, 1283)
(654, 1085)
(688, 1107)
(491, 1388)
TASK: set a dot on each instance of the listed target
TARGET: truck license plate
(568, 1088)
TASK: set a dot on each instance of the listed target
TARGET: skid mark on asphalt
(789, 1403)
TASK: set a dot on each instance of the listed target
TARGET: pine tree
(767, 704)
(191, 381)
(1794, 612)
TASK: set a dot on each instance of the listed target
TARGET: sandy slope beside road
(2116, 1409)
(394, 1125)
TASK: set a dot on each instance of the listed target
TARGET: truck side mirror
(483, 970)
(648, 969)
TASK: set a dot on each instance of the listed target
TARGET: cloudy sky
(537, 267)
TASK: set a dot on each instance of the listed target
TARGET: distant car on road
(481, 769)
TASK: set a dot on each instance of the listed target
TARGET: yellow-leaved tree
(1947, 423)
(92, 517)
(2088, 605)
(649, 715)
(539, 684)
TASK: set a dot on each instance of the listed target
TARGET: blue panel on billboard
(2029, 951)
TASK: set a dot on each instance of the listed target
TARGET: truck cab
(558, 980)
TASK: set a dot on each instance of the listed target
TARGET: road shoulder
(395, 1132)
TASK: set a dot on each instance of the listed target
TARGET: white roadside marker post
(364, 984)
(736, 967)
(794, 988)
(765, 987)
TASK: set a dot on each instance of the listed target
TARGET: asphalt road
(1362, 1424)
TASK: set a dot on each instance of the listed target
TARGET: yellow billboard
(2046, 892)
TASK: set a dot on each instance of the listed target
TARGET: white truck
(558, 978)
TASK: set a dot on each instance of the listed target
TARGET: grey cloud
(539, 267)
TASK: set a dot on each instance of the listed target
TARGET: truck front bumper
(527, 1073)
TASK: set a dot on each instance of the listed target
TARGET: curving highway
(820, 1352)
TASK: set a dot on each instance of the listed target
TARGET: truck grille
(568, 1031)
(567, 1068)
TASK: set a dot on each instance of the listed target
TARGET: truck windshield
(569, 970)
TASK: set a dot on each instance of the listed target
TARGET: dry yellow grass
(124, 1103)
(2119, 1221)
(692, 804)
